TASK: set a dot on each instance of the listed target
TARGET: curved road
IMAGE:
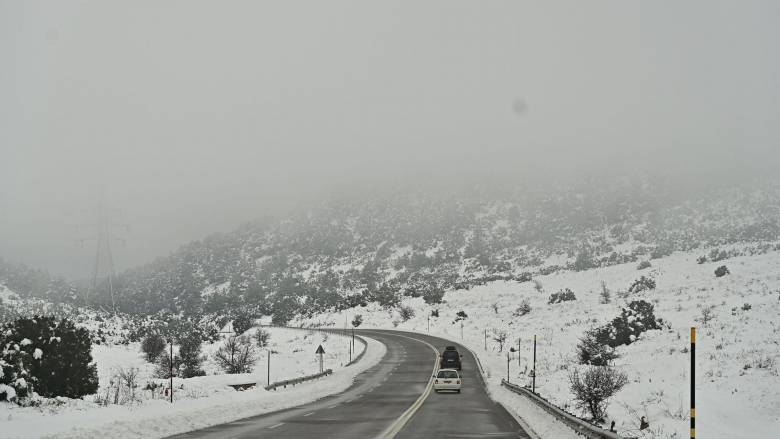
(380, 396)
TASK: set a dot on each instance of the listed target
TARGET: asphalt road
(380, 396)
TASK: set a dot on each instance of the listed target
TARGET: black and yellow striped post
(693, 382)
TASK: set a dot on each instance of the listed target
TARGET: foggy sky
(193, 117)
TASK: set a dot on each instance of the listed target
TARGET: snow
(738, 352)
(38, 354)
(202, 402)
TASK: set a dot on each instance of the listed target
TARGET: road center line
(277, 425)
(309, 414)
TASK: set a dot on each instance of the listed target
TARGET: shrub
(461, 315)
(190, 358)
(152, 346)
(52, 358)
(242, 323)
(164, 365)
(721, 271)
(562, 296)
(435, 313)
(707, 314)
(701, 259)
(605, 295)
(643, 265)
(405, 312)
(630, 324)
(523, 309)
(591, 352)
(593, 390)
(524, 277)
(433, 294)
(262, 337)
(747, 307)
(494, 306)
(641, 284)
(236, 355)
(357, 320)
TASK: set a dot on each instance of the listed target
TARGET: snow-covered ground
(738, 351)
(199, 402)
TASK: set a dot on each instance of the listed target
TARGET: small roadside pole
(485, 339)
(321, 351)
(429, 322)
(508, 359)
(268, 374)
(353, 339)
(533, 371)
(693, 382)
(461, 329)
(171, 371)
(518, 353)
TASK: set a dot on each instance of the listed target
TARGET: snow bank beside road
(158, 418)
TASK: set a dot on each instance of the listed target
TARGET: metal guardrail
(580, 426)
(294, 381)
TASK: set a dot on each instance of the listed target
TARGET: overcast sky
(194, 117)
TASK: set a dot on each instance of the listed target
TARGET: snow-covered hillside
(738, 350)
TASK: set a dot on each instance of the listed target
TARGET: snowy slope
(738, 351)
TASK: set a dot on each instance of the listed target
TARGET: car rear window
(447, 374)
(450, 354)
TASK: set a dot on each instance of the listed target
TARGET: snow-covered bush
(153, 346)
(461, 315)
(242, 323)
(642, 284)
(591, 352)
(190, 357)
(562, 296)
(721, 271)
(629, 325)
(405, 312)
(593, 390)
(357, 320)
(46, 356)
(643, 265)
(263, 337)
(433, 294)
(236, 355)
(522, 309)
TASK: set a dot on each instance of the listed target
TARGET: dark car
(450, 358)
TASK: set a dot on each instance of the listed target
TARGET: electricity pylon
(108, 223)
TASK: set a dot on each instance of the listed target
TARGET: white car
(447, 379)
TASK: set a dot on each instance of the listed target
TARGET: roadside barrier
(294, 381)
(580, 426)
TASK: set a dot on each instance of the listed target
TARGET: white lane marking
(277, 425)
(309, 414)
(333, 406)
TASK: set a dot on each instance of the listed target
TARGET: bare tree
(593, 390)
(494, 307)
(500, 336)
(237, 355)
(707, 314)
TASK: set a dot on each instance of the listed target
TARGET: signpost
(533, 371)
(171, 371)
(320, 351)
(693, 382)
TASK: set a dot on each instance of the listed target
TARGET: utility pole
(268, 373)
(429, 322)
(693, 382)
(518, 353)
(461, 329)
(533, 371)
(171, 371)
